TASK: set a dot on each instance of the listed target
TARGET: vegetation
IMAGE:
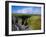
(34, 21)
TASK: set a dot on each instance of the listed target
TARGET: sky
(26, 9)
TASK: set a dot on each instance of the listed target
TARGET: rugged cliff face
(19, 24)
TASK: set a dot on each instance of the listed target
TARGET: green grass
(25, 15)
(34, 22)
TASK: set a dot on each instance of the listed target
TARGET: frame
(18, 14)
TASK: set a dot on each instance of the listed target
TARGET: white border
(29, 31)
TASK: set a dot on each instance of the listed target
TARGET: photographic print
(24, 18)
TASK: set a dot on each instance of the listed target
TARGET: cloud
(25, 11)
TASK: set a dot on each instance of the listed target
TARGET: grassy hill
(34, 22)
